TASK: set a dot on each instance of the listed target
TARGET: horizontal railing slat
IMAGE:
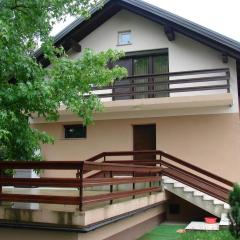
(169, 90)
(111, 181)
(40, 182)
(40, 199)
(120, 167)
(56, 165)
(159, 83)
(118, 195)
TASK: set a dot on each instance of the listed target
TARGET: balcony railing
(149, 174)
(198, 82)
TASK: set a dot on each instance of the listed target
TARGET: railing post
(133, 184)
(160, 159)
(228, 80)
(150, 183)
(111, 186)
(160, 181)
(104, 160)
(80, 176)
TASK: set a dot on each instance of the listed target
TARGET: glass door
(140, 68)
(145, 65)
(160, 66)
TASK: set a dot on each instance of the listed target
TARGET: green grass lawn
(169, 232)
(163, 232)
(213, 235)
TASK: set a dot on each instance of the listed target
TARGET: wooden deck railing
(148, 175)
(175, 168)
(166, 84)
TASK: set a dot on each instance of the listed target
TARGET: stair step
(208, 198)
(224, 221)
(218, 202)
(169, 180)
(226, 206)
(198, 193)
(178, 185)
(189, 189)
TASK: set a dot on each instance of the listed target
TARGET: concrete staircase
(202, 200)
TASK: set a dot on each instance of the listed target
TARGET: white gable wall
(184, 53)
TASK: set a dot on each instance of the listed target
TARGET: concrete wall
(133, 227)
(209, 141)
(184, 53)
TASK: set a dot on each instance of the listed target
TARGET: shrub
(234, 215)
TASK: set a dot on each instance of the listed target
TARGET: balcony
(172, 84)
(168, 91)
(162, 94)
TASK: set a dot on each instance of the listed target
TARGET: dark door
(144, 138)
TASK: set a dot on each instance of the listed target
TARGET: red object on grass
(210, 220)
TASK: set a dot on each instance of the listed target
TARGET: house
(180, 102)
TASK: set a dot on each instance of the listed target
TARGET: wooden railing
(148, 175)
(175, 168)
(167, 84)
(106, 167)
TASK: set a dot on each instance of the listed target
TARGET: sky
(222, 16)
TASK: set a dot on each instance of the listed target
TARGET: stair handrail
(161, 154)
(196, 168)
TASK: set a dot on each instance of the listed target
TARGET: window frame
(121, 33)
(68, 126)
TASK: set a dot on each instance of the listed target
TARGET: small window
(75, 131)
(124, 38)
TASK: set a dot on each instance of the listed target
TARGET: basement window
(75, 131)
(124, 38)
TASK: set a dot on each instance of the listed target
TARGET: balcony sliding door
(140, 67)
(159, 66)
(143, 87)
(122, 89)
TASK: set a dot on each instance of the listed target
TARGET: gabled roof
(81, 27)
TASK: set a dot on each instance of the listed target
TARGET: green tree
(27, 89)
(234, 201)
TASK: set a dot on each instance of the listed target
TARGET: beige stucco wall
(209, 141)
(184, 53)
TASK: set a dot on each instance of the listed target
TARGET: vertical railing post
(133, 185)
(104, 160)
(80, 176)
(160, 181)
(111, 186)
(150, 183)
(160, 159)
(228, 81)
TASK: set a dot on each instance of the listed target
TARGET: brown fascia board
(81, 27)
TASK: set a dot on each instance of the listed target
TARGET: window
(124, 38)
(75, 131)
